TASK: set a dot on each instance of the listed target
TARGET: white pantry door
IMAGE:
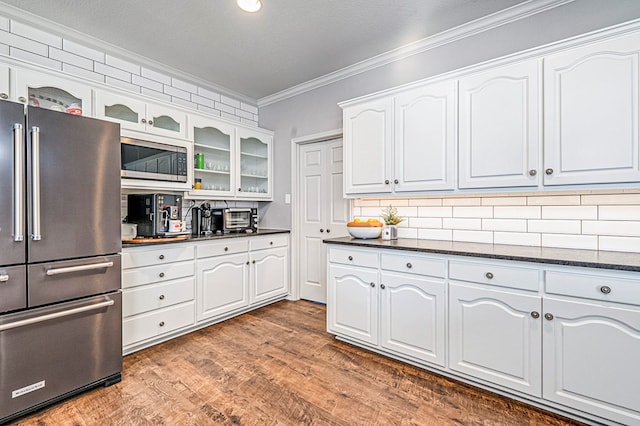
(324, 213)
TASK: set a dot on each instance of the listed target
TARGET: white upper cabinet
(51, 92)
(254, 164)
(499, 122)
(368, 148)
(5, 88)
(591, 113)
(424, 145)
(135, 114)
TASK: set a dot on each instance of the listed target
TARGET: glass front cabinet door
(254, 164)
(58, 94)
(214, 150)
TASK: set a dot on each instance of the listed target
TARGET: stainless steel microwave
(142, 159)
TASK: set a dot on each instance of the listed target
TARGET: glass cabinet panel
(46, 91)
(55, 99)
(213, 164)
(254, 165)
(121, 112)
(165, 122)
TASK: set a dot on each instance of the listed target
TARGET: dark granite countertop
(193, 239)
(557, 256)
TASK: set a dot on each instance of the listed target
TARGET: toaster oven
(235, 220)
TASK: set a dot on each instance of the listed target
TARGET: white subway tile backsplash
(24, 44)
(34, 58)
(248, 122)
(183, 85)
(425, 202)
(146, 82)
(113, 72)
(477, 212)
(249, 108)
(4, 23)
(504, 201)
(608, 227)
(200, 100)
(184, 103)
(244, 114)
(473, 236)
(625, 244)
(569, 212)
(462, 223)
(208, 110)
(425, 222)
(464, 201)
(208, 94)
(28, 31)
(435, 234)
(619, 212)
(615, 199)
(71, 59)
(402, 211)
(586, 242)
(4, 49)
(83, 72)
(554, 200)
(435, 211)
(517, 238)
(154, 75)
(229, 116)
(521, 212)
(408, 233)
(362, 202)
(84, 51)
(155, 94)
(177, 93)
(229, 101)
(400, 202)
(122, 64)
(122, 84)
(225, 108)
(554, 226)
(507, 225)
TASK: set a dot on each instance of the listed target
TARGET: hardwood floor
(278, 366)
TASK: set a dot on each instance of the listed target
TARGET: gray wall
(317, 111)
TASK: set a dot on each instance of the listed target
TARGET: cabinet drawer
(599, 287)
(232, 245)
(156, 323)
(420, 265)
(354, 257)
(495, 274)
(157, 296)
(132, 258)
(155, 274)
(259, 243)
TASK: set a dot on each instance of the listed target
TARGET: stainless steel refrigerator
(60, 275)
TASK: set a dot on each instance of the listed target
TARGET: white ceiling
(287, 43)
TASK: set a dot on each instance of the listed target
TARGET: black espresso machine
(157, 215)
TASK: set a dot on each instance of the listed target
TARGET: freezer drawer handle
(4, 278)
(18, 180)
(35, 182)
(49, 317)
(69, 269)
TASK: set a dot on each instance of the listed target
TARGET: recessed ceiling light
(249, 5)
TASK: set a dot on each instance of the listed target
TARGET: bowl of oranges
(364, 228)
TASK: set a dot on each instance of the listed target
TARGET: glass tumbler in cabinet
(255, 166)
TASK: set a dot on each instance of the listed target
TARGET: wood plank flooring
(278, 366)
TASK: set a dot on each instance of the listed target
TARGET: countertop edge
(619, 261)
(261, 232)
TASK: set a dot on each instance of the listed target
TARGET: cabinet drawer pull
(548, 317)
(549, 171)
(270, 243)
(533, 172)
(409, 265)
(372, 284)
(162, 297)
(350, 257)
(535, 315)
(161, 324)
(161, 274)
(382, 286)
(386, 181)
(226, 249)
(161, 257)
(605, 289)
(489, 275)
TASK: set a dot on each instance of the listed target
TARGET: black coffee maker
(201, 220)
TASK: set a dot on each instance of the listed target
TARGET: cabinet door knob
(270, 243)
(350, 258)
(548, 317)
(239, 189)
(328, 230)
(382, 286)
(162, 297)
(549, 171)
(22, 99)
(161, 257)
(161, 324)
(150, 123)
(321, 230)
(372, 284)
(253, 261)
(535, 314)
(533, 172)
(396, 181)
(4, 96)
(386, 181)
(226, 249)
(489, 275)
(247, 262)
(143, 121)
(161, 274)
(409, 265)
(605, 289)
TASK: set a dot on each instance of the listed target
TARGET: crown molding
(497, 19)
(65, 32)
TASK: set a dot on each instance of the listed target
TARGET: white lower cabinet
(269, 274)
(566, 338)
(222, 285)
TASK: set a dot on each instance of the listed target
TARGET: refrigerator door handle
(4, 278)
(88, 267)
(35, 183)
(18, 183)
(48, 317)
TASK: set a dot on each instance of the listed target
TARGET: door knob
(144, 121)
(396, 181)
(386, 181)
(489, 275)
(548, 317)
(533, 172)
(321, 230)
(161, 297)
(161, 257)
(161, 274)
(161, 324)
(535, 314)
(150, 123)
(549, 171)
(382, 286)
(328, 230)
(605, 289)
(372, 284)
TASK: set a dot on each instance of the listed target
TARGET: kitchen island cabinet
(562, 333)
